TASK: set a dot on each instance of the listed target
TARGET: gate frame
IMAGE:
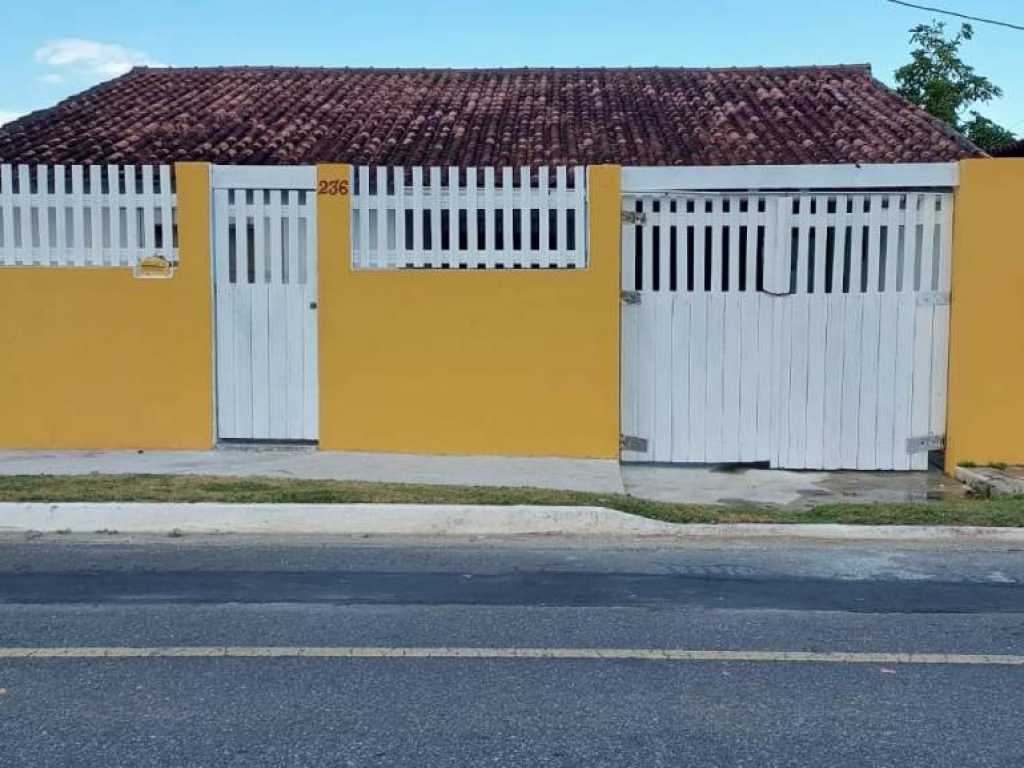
(303, 177)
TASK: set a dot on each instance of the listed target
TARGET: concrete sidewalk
(689, 484)
(599, 476)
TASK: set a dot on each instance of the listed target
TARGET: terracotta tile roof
(1013, 150)
(267, 115)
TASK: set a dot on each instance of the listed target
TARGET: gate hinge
(631, 297)
(634, 217)
(927, 442)
(938, 299)
(632, 443)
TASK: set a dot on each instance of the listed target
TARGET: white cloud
(6, 117)
(88, 57)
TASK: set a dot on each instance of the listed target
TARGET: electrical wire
(959, 15)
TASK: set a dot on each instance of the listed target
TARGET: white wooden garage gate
(804, 324)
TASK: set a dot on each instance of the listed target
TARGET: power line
(958, 15)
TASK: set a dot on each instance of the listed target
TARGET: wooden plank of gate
(732, 306)
(310, 369)
(9, 253)
(782, 378)
(629, 396)
(579, 217)
(225, 322)
(62, 254)
(715, 368)
(77, 243)
(799, 331)
(508, 256)
(166, 214)
(885, 422)
(561, 204)
(116, 251)
(148, 202)
(748, 306)
(399, 199)
(921, 406)
(835, 339)
(940, 327)
(817, 356)
(297, 310)
(766, 309)
(278, 293)
(663, 390)
(365, 255)
(868, 414)
(243, 319)
(647, 410)
(260, 288)
(43, 214)
(698, 372)
(681, 335)
(904, 383)
(853, 306)
(28, 254)
(96, 199)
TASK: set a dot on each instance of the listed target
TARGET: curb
(444, 520)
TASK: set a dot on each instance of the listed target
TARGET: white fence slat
(857, 244)
(117, 245)
(379, 229)
(664, 245)
(147, 241)
(28, 233)
(646, 384)
(920, 420)
(453, 256)
(10, 254)
(798, 411)
(166, 215)
(398, 175)
(363, 200)
(561, 199)
(95, 255)
(716, 243)
(47, 253)
(418, 247)
(77, 247)
(436, 259)
(131, 210)
(580, 216)
(699, 248)
(543, 201)
(891, 242)
(508, 255)
(472, 213)
(59, 199)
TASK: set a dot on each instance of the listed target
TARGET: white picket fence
(471, 218)
(86, 216)
(808, 330)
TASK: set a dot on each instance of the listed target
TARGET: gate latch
(634, 217)
(632, 443)
(926, 443)
(312, 305)
(631, 297)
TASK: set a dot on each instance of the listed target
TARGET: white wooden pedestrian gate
(265, 277)
(808, 330)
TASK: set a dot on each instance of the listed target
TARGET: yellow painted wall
(986, 365)
(497, 362)
(93, 358)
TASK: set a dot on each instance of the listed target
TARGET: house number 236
(335, 187)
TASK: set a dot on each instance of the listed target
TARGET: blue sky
(52, 48)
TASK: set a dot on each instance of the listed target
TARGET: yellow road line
(602, 654)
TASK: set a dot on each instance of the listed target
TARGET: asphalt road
(114, 592)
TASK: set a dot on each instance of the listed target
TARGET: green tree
(939, 81)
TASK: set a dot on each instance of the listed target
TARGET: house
(662, 264)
